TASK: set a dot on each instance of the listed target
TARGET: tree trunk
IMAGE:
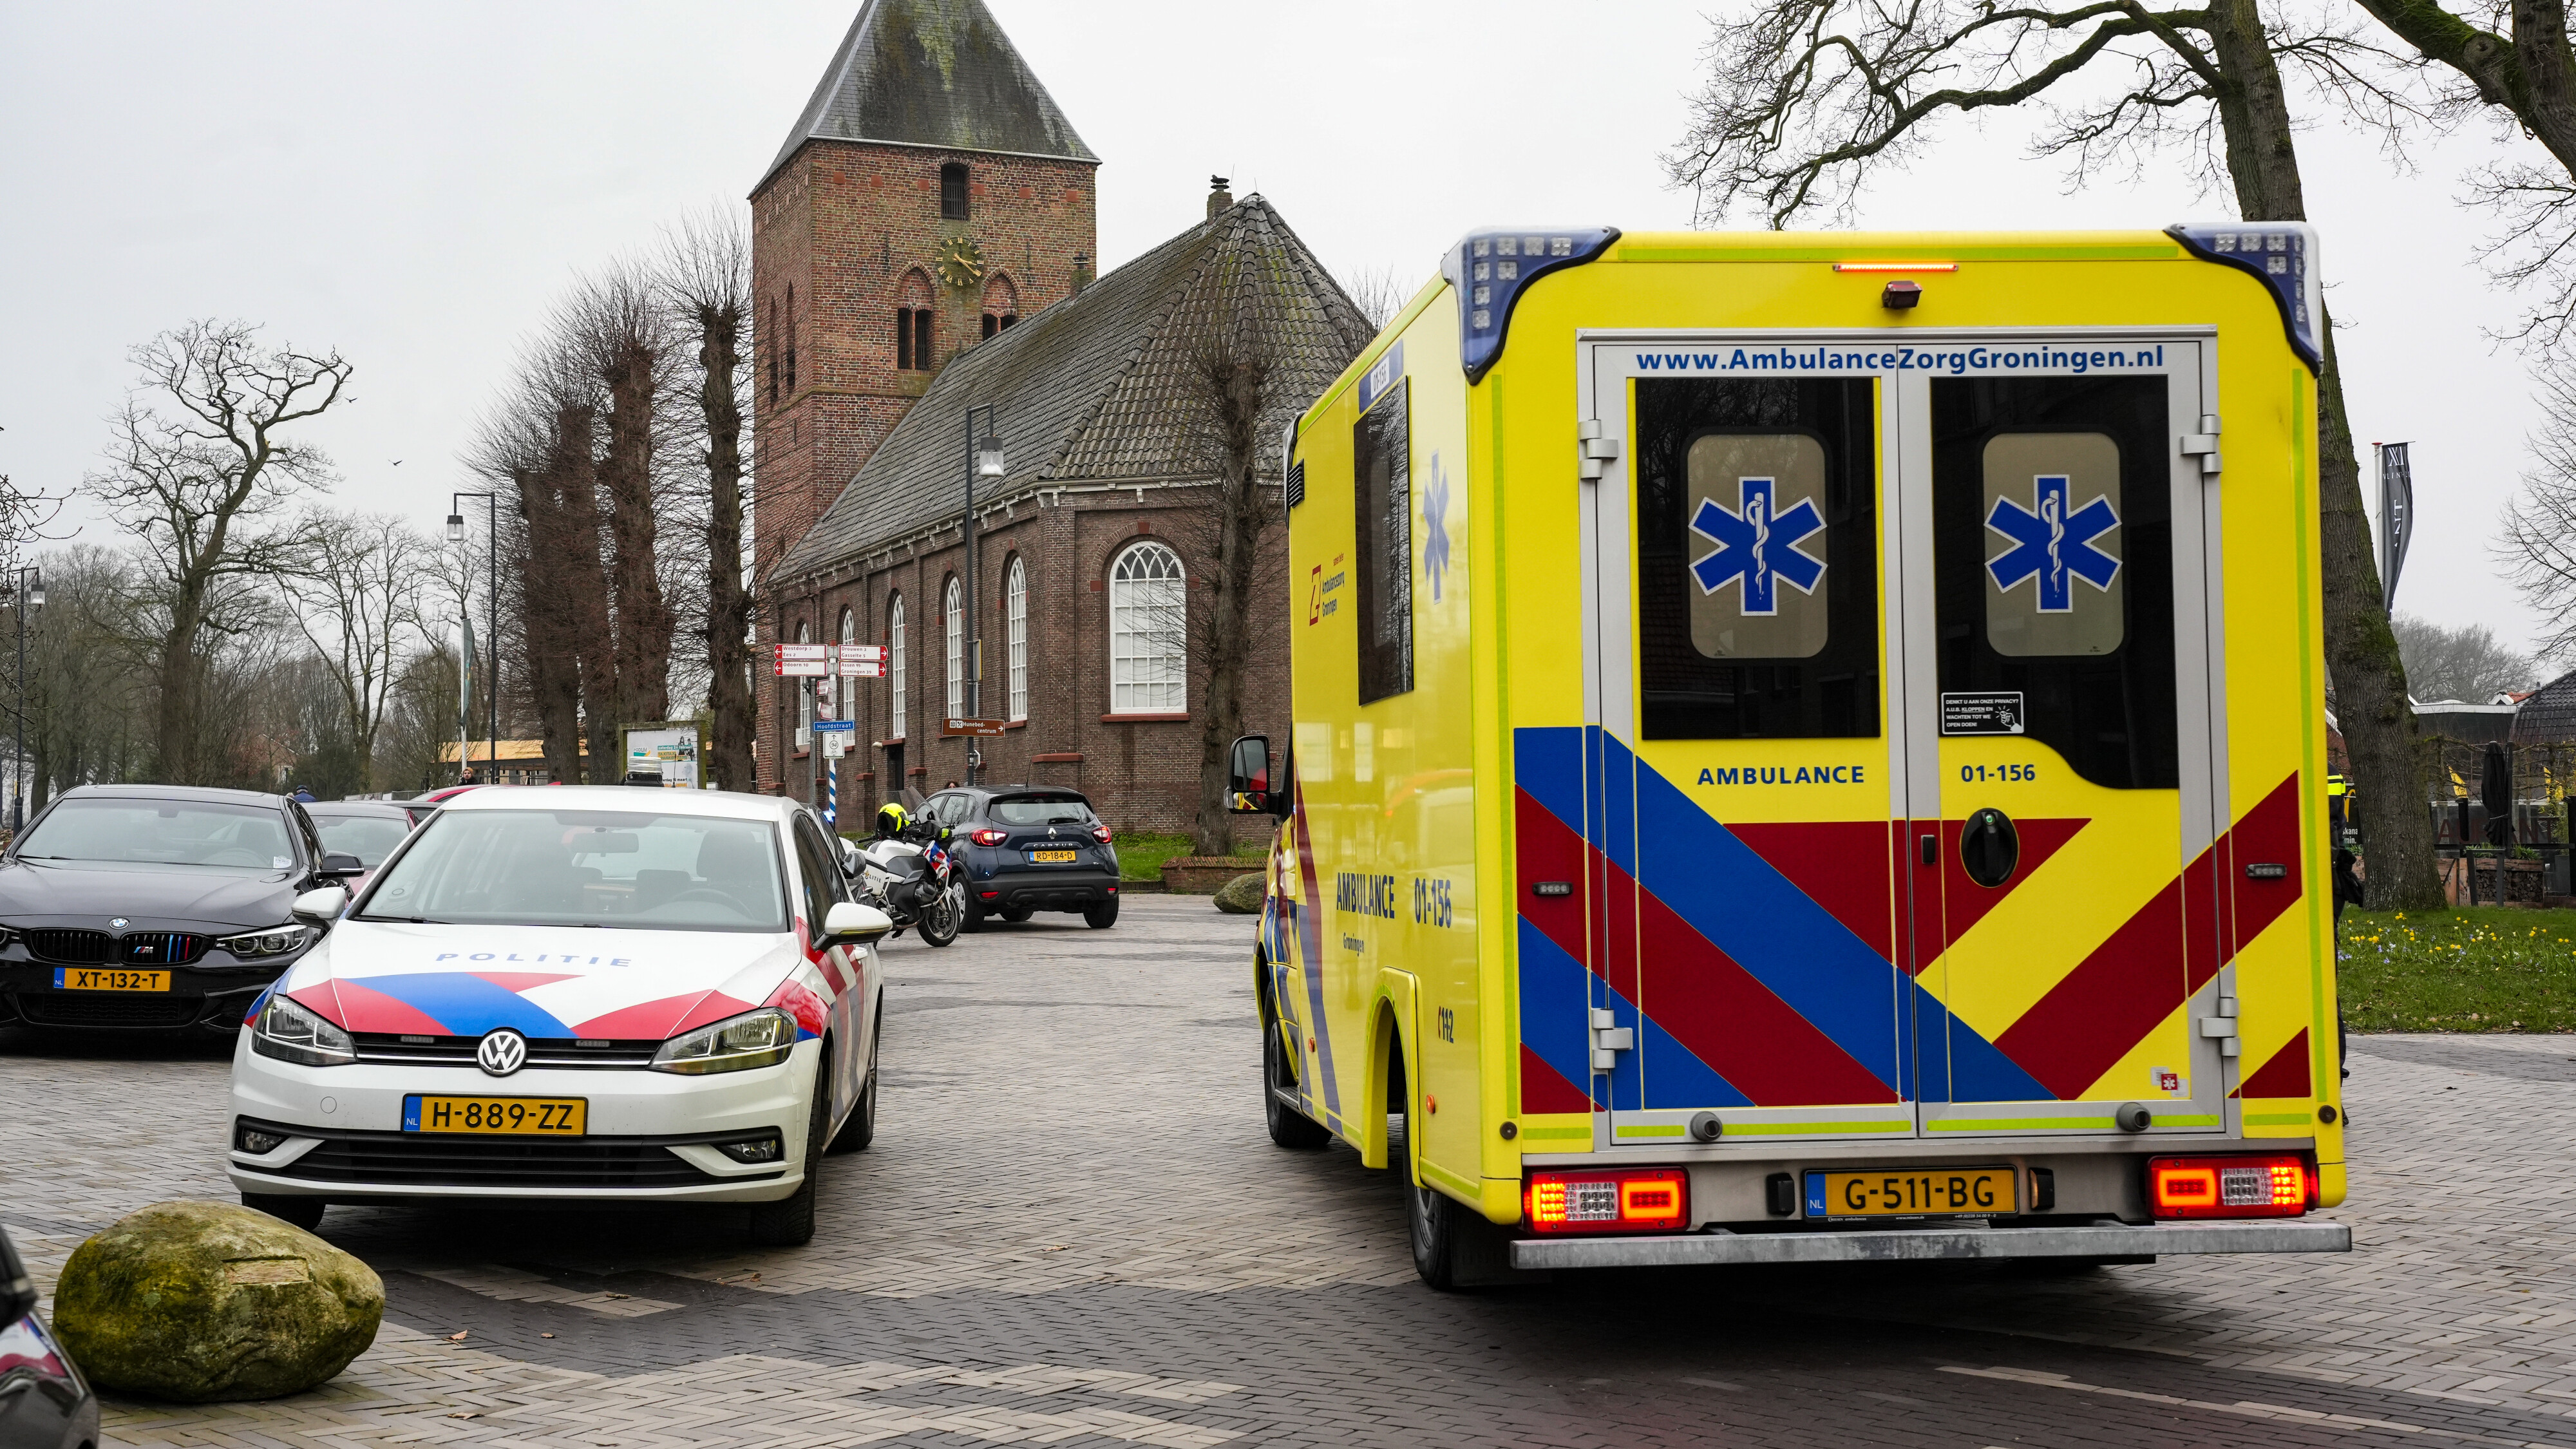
(728, 603)
(586, 595)
(643, 639)
(2379, 729)
(553, 662)
(1236, 391)
(176, 718)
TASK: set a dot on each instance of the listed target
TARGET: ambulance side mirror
(1248, 777)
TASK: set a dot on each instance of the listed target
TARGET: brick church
(923, 246)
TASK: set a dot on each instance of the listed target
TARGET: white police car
(572, 993)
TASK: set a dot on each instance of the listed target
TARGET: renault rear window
(1042, 810)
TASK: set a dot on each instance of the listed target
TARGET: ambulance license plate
(497, 1116)
(1052, 857)
(103, 978)
(1949, 1192)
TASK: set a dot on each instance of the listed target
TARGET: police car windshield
(626, 869)
(1041, 810)
(161, 832)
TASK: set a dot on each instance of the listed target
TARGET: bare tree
(1806, 97)
(2538, 543)
(197, 465)
(619, 331)
(706, 272)
(1378, 292)
(361, 598)
(2465, 663)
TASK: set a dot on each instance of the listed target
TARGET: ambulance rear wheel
(1289, 1127)
(1432, 1217)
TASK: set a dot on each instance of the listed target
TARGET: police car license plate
(504, 1116)
(1052, 857)
(1949, 1192)
(100, 978)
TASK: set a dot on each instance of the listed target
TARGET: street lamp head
(988, 457)
(456, 528)
(36, 596)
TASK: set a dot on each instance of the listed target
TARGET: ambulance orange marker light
(1630, 1200)
(2231, 1187)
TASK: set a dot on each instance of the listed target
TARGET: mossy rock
(202, 1301)
(1241, 896)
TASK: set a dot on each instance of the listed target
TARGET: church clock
(961, 262)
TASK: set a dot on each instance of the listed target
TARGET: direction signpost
(988, 728)
(825, 663)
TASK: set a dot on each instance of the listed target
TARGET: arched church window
(952, 191)
(1001, 304)
(1015, 611)
(1148, 632)
(952, 610)
(895, 671)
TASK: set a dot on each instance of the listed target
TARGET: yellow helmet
(892, 818)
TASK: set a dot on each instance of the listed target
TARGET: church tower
(930, 195)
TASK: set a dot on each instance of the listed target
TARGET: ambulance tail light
(2231, 1187)
(1633, 1200)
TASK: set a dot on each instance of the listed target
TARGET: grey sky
(415, 186)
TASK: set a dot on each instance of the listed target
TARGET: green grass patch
(2476, 968)
(1141, 856)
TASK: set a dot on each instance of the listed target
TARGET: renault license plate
(502, 1116)
(1913, 1192)
(1052, 857)
(108, 978)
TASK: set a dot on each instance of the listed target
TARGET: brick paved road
(1073, 1230)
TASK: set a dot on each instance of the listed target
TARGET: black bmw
(154, 907)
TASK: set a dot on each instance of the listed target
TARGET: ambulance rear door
(2057, 503)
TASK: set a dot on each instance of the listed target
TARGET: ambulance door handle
(2203, 444)
(1931, 850)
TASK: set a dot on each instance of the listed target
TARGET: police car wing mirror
(1248, 775)
(321, 907)
(851, 921)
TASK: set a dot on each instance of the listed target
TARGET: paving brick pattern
(1071, 1230)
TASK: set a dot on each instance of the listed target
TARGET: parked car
(44, 1401)
(367, 829)
(1030, 848)
(144, 907)
(575, 994)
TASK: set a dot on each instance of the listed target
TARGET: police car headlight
(291, 1033)
(760, 1038)
(276, 941)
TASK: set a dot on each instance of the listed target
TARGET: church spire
(933, 73)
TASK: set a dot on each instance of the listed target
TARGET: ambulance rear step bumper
(1912, 1245)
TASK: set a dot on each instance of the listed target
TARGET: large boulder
(197, 1301)
(1241, 896)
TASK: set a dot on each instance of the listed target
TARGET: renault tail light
(2230, 1187)
(1100, 833)
(989, 836)
(1635, 1200)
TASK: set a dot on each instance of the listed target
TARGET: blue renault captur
(1029, 848)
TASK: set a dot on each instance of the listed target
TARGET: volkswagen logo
(501, 1052)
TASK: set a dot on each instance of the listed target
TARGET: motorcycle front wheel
(941, 918)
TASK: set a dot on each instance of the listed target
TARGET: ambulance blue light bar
(1489, 268)
(2283, 256)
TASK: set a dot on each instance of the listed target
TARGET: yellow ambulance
(1811, 747)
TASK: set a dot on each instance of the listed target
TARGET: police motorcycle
(906, 871)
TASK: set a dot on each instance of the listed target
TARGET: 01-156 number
(1980, 774)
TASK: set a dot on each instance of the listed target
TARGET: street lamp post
(30, 596)
(983, 460)
(491, 617)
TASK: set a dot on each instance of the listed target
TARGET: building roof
(2548, 714)
(932, 73)
(1096, 388)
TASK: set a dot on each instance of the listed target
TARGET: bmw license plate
(1053, 857)
(107, 978)
(1949, 1192)
(503, 1116)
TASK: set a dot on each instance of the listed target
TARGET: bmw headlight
(294, 1033)
(760, 1038)
(275, 941)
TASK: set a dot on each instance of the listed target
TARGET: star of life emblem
(2052, 545)
(1757, 546)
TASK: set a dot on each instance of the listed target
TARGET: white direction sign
(814, 661)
